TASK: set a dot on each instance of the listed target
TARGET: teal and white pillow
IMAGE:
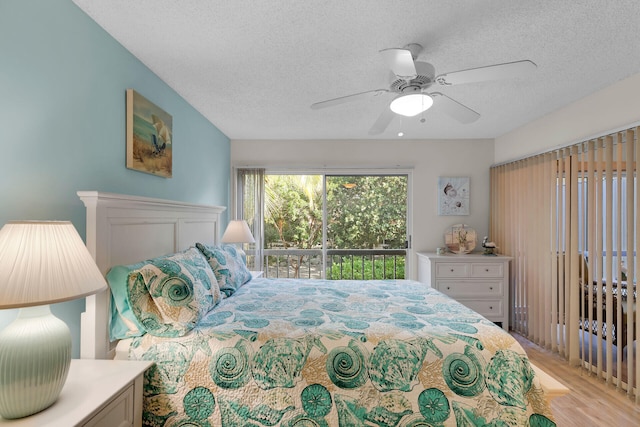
(229, 264)
(165, 296)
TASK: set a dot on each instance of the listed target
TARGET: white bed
(125, 229)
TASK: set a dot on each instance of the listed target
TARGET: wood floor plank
(590, 401)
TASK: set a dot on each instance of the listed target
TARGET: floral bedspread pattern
(340, 353)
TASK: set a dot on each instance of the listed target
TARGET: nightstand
(98, 393)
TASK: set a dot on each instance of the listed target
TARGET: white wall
(610, 109)
(427, 159)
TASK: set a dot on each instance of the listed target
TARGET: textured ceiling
(253, 68)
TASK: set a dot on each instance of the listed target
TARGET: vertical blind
(568, 218)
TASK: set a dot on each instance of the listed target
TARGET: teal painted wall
(62, 125)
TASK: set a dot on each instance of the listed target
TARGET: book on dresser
(481, 282)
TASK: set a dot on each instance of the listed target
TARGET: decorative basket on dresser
(478, 281)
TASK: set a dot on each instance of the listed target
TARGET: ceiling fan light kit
(411, 79)
(411, 104)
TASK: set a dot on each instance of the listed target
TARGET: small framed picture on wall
(453, 195)
(149, 136)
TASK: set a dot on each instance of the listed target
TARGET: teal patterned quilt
(340, 353)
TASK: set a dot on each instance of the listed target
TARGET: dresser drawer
(480, 289)
(487, 270)
(117, 413)
(452, 269)
(491, 309)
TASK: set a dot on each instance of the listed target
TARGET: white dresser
(480, 282)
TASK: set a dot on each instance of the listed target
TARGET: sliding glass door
(293, 226)
(335, 226)
(366, 227)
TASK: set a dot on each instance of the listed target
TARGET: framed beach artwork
(453, 195)
(149, 136)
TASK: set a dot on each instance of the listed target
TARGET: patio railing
(353, 264)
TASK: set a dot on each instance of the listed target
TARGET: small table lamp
(238, 232)
(41, 262)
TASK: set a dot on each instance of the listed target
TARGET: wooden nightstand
(98, 393)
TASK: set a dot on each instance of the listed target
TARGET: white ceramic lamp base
(35, 353)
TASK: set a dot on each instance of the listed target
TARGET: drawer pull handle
(490, 288)
(486, 269)
(448, 287)
(452, 270)
(490, 307)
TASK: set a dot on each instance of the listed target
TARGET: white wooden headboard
(125, 229)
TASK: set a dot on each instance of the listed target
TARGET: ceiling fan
(411, 81)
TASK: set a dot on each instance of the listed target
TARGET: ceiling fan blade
(382, 122)
(347, 98)
(401, 62)
(490, 72)
(453, 108)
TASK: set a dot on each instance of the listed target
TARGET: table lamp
(237, 232)
(41, 262)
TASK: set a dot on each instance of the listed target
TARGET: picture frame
(149, 137)
(453, 195)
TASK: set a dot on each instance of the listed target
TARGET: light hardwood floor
(590, 402)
